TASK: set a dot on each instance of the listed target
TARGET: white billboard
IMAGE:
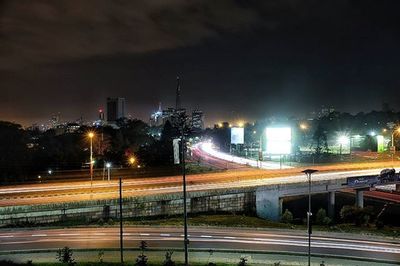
(279, 140)
(237, 135)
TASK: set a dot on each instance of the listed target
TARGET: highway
(79, 190)
(200, 238)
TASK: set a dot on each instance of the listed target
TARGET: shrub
(168, 259)
(358, 216)
(210, 252)
(243, 261)
(100, 256)
(142, 259)
(64, 255)
(321, 218)
(287, 217)
(379, 224)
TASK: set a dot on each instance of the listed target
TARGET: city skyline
(236, 60)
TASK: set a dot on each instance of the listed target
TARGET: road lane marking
(8, 236)
(204, 236)
(229, 237)
(165, 235)
(143, 234)
(39, 235)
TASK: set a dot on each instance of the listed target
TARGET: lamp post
(185, 226)
(308, 173)
(91, 135)
(108, 165)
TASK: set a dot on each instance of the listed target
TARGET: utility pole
(121, 240)
(308, 173)
(183, 148)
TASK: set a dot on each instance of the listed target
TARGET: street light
(91, 136)
(308, 173)
(240, 124)
(303, 126)
(343, 140)
(131, 160)
(108, 165)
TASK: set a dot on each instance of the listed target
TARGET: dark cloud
(46, 31)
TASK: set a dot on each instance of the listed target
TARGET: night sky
(237, 59)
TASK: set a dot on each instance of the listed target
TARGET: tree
(14, 155)
(320, 140)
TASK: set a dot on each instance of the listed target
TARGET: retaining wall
(172, 204)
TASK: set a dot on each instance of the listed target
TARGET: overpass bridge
(269, 199)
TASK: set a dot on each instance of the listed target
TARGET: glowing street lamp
(91, 136)
(131, 160)
(303, 126)
(240, 124)
(108, 165)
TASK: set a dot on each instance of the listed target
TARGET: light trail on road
(80, 191)
(211, 238)
(207, 147)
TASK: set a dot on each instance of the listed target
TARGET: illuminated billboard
(380, 143)
(237, 135)
(279, 140)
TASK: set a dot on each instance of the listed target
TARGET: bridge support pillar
(360, 198)
(398, 187)
(331, 205)
(269, 204)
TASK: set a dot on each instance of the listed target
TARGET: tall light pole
(185, 229)
(121, 239)
(308, 173)
(108, 165)
(91, 135)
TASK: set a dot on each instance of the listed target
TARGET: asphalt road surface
(200, 238)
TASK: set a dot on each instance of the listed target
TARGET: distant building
(325, 111)
(197, 120)
(156, 118)
(101, 115)
(115, 109)
(55, 121)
